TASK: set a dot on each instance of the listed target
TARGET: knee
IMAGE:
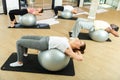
(10, 12)
(78, 20)
(55, 8)
(18, 42)
(23, 37)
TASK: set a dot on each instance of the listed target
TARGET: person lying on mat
(72, 47)
(12, 13)
(64, 8)
(92, 25)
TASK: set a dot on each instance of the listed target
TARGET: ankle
(12, 25)
(20, 62)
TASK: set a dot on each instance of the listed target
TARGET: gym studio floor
(101, 60)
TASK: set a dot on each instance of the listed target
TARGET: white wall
(58, 2)
(12, 4)
(118, 7)
(1, 7)
(81, 3)
(113, 3)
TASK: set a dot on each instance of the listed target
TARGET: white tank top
(60, 43)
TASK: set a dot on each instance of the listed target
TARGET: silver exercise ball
(66, 14)
(99, 35)
(28, 20)
(53, 59)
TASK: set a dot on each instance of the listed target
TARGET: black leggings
(58, 8)
(12, 13)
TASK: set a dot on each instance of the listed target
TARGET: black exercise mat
(37, 26)
(85, 36)
(73, 18)
(32, 65)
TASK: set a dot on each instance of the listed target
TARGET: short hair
(114, 27)
(41, 11)
(82, 48)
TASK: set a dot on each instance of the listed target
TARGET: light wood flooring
(101, 60)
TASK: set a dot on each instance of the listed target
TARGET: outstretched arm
(113, 32)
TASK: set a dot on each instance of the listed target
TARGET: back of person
(68, 8)
(99, 24)
(60, 43)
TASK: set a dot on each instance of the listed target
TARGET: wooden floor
(101, 60)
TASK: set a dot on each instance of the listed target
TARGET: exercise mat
(32, 65)
(37, 26)
(73, 18)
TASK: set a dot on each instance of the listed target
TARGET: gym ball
(66, 14)
(99, 35)
(28, 20)
(53, 60)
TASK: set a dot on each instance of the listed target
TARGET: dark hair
(114, 27)
(41, 11)
(82, 48)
